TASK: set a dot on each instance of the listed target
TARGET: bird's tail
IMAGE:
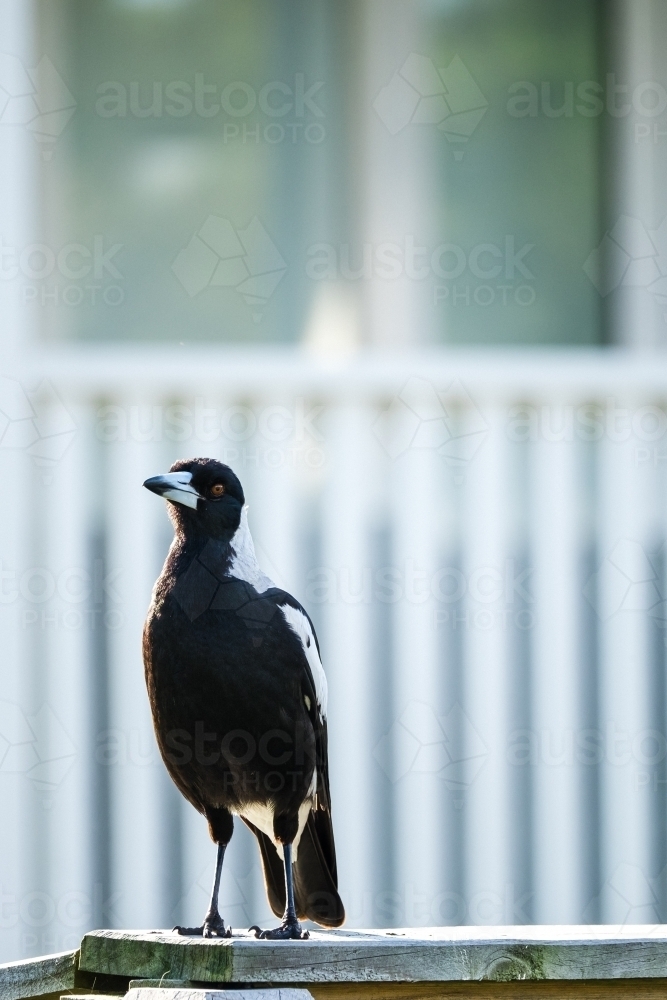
(315, 876)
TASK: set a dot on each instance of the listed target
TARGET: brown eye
(217, 490)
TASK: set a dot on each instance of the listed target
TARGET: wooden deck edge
(38, 976)
(366, 958)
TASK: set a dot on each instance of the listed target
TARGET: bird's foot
(289, 930)
(213, 926)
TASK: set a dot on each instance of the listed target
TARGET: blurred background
(402, 265)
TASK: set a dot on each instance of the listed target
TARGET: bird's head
(205, 497)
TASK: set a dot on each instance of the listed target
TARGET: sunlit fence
(479, 540)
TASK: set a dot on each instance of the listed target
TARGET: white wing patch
(298, 622)
(244, 564)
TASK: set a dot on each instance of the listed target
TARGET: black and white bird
(238, 696)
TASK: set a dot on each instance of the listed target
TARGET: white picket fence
(479, 539)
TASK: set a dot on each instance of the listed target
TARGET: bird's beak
(174, 486)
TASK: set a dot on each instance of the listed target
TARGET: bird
(238, 697)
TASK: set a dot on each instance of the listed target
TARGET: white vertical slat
(19, 170)
(558, 845)
(18, 939)
(487, 806)
(136, 771)
(68, 621)
(454, 772)
(348, 659)
(418, 738)
(268, 465)
(623, 583)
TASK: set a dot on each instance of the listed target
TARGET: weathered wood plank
(615, 989)
(163, 984)
(37, 976)
(448, 954)
(83, 995)
(162, 993)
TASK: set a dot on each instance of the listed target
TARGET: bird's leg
(214, 925)
(290, 909)
(290, 927)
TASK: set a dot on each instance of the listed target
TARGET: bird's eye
(217, 490)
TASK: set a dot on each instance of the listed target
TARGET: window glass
(214, 142)
(195, 124)
(525, 174)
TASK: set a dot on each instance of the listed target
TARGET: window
(220, 151)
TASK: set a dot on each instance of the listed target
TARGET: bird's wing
(314, 686)
(315, 868)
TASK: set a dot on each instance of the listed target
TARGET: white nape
(244, 564)
(298, 622)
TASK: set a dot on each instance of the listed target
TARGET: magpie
(238, 696)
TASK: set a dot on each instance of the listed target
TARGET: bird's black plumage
(238, 695)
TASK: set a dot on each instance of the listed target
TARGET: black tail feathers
(315, 875)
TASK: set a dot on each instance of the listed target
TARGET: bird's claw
(289, 930)
(213, 926)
